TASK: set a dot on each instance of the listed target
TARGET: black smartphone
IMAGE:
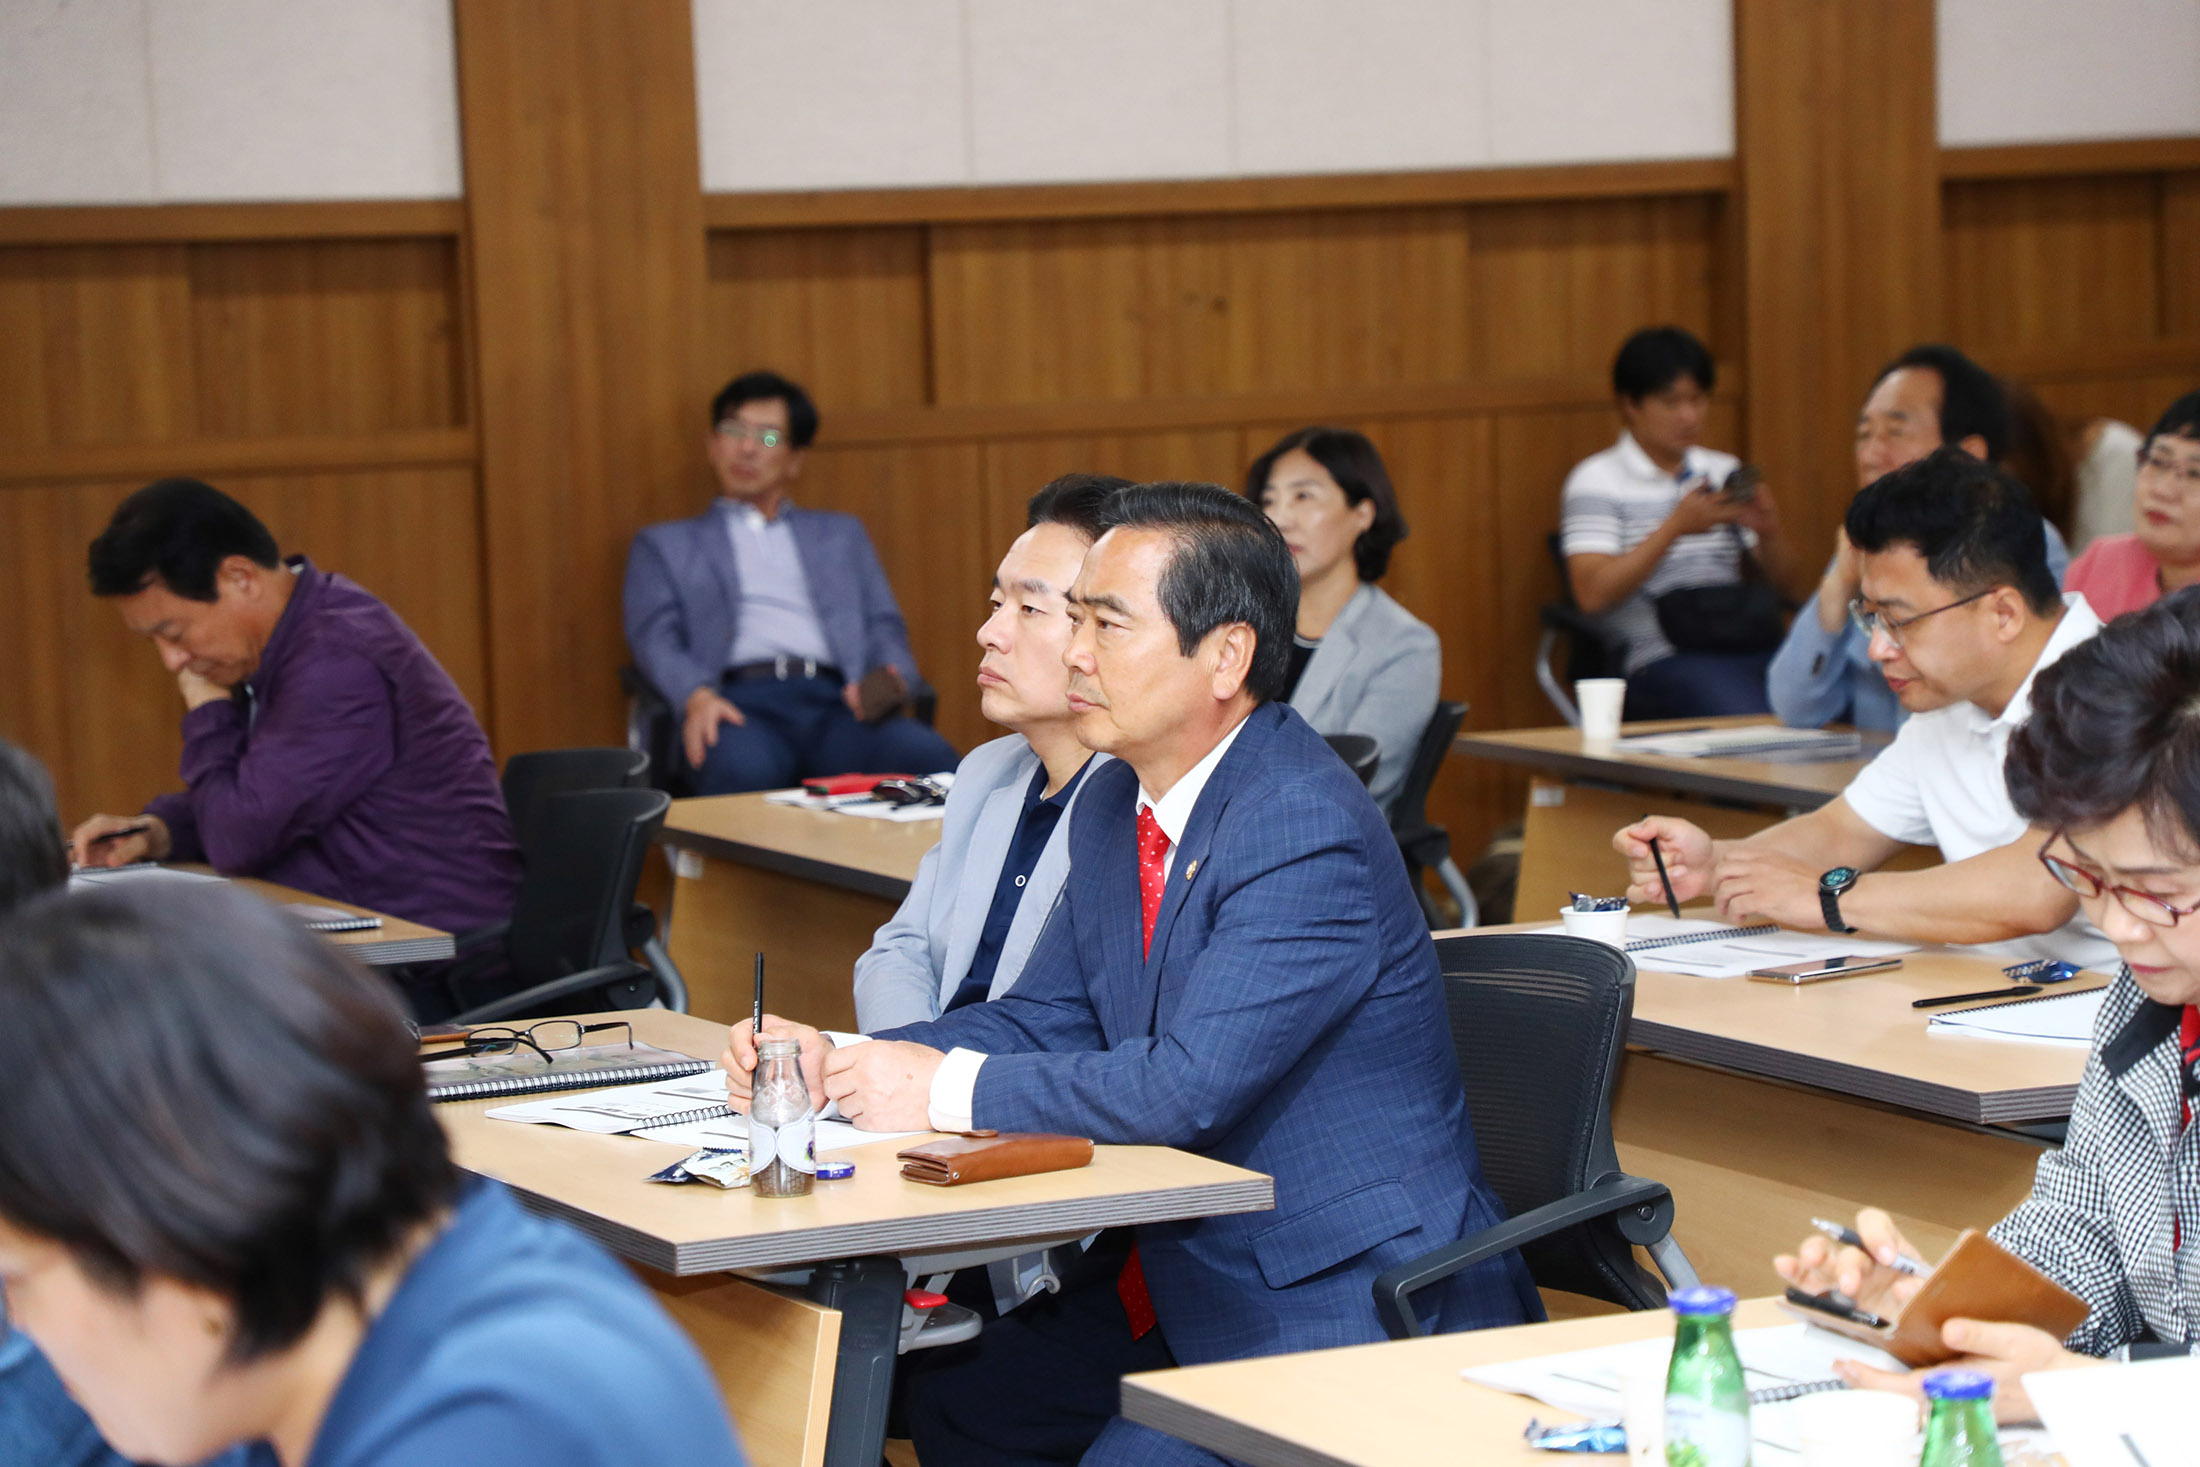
(1836, 1305)
(1741, 485)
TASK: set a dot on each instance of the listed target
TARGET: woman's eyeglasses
(2149, 909)
(545, 1039)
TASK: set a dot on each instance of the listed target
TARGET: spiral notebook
(2051, 1018)
(1701, 948)
(483, 1077)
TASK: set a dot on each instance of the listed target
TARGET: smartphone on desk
(1819, 969)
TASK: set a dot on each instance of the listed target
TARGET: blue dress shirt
(778, 615)
(1040, 817)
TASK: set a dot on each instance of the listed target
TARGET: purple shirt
(348, 766)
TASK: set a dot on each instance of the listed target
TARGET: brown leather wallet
(1979, 1279)
(981, 1156)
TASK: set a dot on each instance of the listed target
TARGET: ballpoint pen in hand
(1903, 1263)
(1664, 880)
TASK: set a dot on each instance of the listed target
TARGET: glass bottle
(1960, 1430)
(782, 1123)
(1706, 1397)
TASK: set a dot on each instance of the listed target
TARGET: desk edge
(825, 873)
(1203, 1428)
(1642, 776)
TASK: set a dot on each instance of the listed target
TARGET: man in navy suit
(760, 620)
(1237, 967)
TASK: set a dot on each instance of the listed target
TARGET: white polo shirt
(1615, 500)
(1940, 783)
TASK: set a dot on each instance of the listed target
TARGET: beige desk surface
(1563, 751)
(395, 941)
(878, 857)
(595, 1182)
(1380, 1405)
(1860, 1037)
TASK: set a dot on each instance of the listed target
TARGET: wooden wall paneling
(2180, 254)
(842, 311)
(1558, 286)
(2137, 399)
(586, 247)
(1837, 144)
(326, 335)
(95, 344)
(2053, 262)
(924, 509)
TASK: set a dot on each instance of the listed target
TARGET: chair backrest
(1409, 812)
(1359, 752)
(580, 879)
(1539, 1022)
(1586, 656)
(532, 779)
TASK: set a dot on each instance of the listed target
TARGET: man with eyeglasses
(1960, 613)
(771, 627)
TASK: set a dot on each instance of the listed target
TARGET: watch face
(1838, 878)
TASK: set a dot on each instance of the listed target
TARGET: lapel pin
(1191, 871)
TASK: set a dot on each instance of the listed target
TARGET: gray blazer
(1376, 673)
(918, 960)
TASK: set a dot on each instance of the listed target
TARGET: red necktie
(1153, 848)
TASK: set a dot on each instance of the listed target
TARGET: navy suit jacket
(683, 596)
(1289, 1019)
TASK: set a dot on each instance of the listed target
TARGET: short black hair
(1656, 357)
(1974, 524)
(2115, 725)
(761, 386)
(1074, 500)
(2181, 419)
(1358, 469)
(179, 530)
(1972, 403)
(194, 1086)
(1230, 565)
(31, 855)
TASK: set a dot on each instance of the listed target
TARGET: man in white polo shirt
(1961, 611)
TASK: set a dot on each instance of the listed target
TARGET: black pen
(756, 1025)
(118, 833)
(1663, 879)
(2020, 991)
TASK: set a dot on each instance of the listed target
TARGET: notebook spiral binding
(1651, 944)
(576, 1080)
(685, 1118)
(1767, 1395)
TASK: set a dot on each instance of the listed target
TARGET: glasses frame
(2186, 474)
(2149, 909)
(1871, 623)
(734, 430)
(477, 1041)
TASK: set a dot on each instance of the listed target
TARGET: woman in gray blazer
(1361, 663)
(983, 893)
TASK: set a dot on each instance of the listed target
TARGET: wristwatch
(1831, 886)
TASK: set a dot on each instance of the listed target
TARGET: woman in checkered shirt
(2108, 769)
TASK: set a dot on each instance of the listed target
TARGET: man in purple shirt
(324, 748)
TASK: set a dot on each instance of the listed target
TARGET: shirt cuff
(954, 1090)
(843, 1041)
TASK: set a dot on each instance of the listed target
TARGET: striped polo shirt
(1613, 502)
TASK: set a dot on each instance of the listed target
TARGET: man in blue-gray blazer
(1237, 967)
(759, 620)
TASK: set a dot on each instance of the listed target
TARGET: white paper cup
(1609, 928)
(1642, 1412)
(1600, 700)
(1858, 1429)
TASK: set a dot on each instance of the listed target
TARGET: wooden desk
(395, 941)
(1762, 1106)
(1564, 752)
(862, 1233)
(1380, 1405)
(805, 887)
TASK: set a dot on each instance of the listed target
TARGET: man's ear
(794, 463)
(1975, 446)
(2012, 613)
(1231, 649)
(240, 573)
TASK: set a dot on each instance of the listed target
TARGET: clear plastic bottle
(1960, 1430)
(782, 1123)
(1706, 1396)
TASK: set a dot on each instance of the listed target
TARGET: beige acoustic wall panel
(2053, 71)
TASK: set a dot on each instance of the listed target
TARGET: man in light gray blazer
(984, 892)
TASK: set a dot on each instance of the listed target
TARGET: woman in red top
(2120, 573)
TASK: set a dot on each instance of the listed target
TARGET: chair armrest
(495, 932)
(1394, 1286)
(514, 1005)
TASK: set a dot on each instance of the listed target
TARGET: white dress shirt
(955, 1082)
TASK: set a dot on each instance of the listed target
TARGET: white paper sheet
(2121, 1415)
(144, 873)
(615, 1112)
(1754, 741)
(1731, 957)
(2062, 1018)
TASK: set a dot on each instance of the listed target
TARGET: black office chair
(533, 778)
(1540, 1025)
(1359, 752)
(1591, 649)
(566, 943)
(653, 727)
(1426, 846)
